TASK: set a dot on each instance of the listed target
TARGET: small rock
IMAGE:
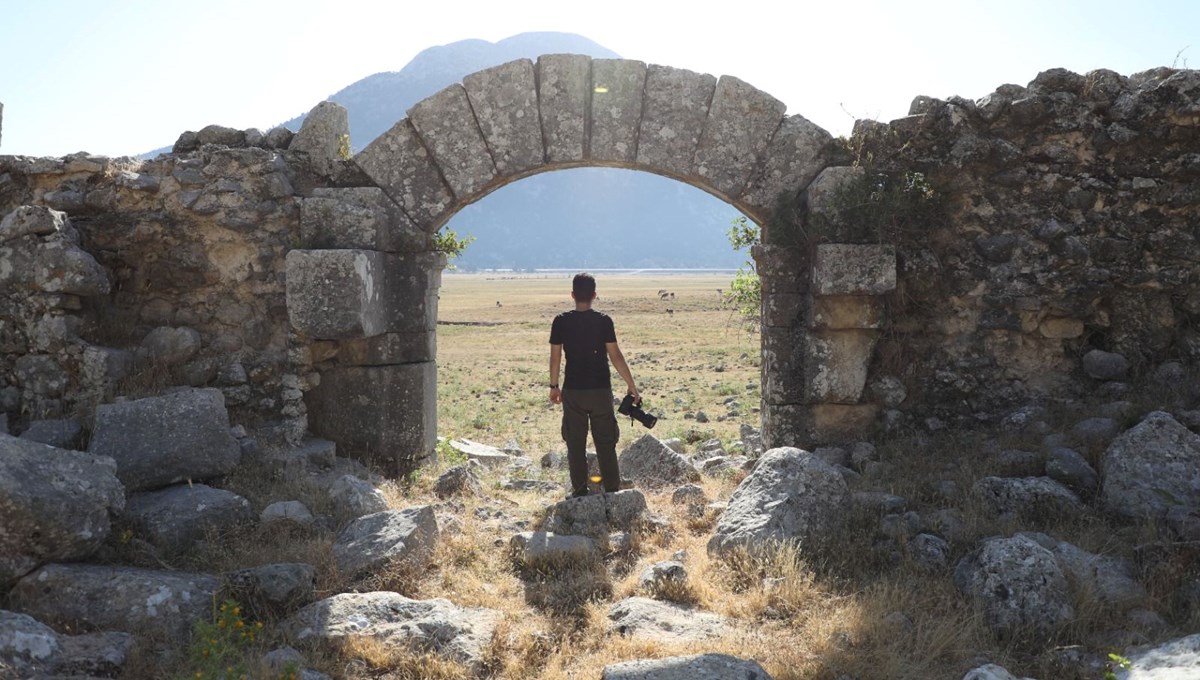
(1016, 463)
(488, 456)
(878, 501)
(1072, 470)
(274, 588)
(1096, 433)
(597, 515)
(1103, 365)
(394, 538)
(1028, 496)
(689, 494)
(1152, 468)
(541, 549)
(675, 444)
(901, 526)
(533, 485)
(170, 346)
(285, 513)
(61, 434)
(649, 462)
(990, 672)
(930, 552)
(862, 453)
(177, 517)
(1018, 584)
(353, 497)
(665, 622)
(663, 578)
(459, 480)
(700, 667)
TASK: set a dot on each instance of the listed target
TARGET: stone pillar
(822, 312)
(373, 314)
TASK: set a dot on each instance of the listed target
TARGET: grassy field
(493, 359)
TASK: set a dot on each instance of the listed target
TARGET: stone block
(835, 365)
(505, 101)
(810, 425)
(793, 158)
(781, 367)
(323, 135)
(398, 162)
(412, 283)
(336, 294)
(448, 127)
(381, 414)
(358, 218)
(822, 191)
(675, 108)
(741, 121)
(850, 269)
(618, 86)
(841, 312)
(563, 82)
(1060, 328)
(389, 348)
(781, 310)
(780, 267)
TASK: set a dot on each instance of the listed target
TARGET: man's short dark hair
(584, 286)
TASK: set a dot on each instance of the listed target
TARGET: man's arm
(555, 361)
(618, 362)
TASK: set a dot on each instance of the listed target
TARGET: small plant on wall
(447, 241)
(744, 296)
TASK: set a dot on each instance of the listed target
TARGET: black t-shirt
(582, 335)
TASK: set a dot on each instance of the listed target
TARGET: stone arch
(362, 295)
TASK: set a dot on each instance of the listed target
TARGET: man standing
(586, 395)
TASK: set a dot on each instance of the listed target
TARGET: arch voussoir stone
(675, 108)
(450, 131)
(504, 99)
(398, 163)
(741, 121)
(618, 86)
(797, 153)
(563, 87)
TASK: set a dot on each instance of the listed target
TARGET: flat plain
(688, 355)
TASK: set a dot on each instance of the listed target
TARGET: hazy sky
(122, 77)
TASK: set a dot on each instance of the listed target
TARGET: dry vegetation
(856, 607)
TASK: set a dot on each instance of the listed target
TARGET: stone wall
(1069, 214)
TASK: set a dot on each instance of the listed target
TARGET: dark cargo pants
(594, 407)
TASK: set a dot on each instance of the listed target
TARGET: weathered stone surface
(648, 462)
(451, 133)
(51, 266)
(1177, 659)
(648, 619)
(842, 312)
(398, 162)
(221, 135)
(323, 134)
(26, 645)
(821, 193)
(158, 441)
(740, 124)
(393, 538)
(1018, 585)
(835, 365)
(563, 84)
(1033, 496)
(116, 598)
(169, 346)
(814, 424)
(930, 552)
(384, 414)
(1069, 468)
(1103, 365)
(333, 294)
(93, 654)
(618, 86)
(542, 548)
(663, 577)
(1108, 579)
(990, 672)
(176, 517)
(1152, 468)
(388, 348)
(689, 494)
(675, 108)
(32, 220)
(1095, 433)
(596, 514)
(487, 456)
(851, 269)
(54, 504)
(437, 626)
(61, 434)
(790, 496)
(459, 480)
(284, 514)
(706, 666)
(534, 485)
(504, 99)
(358, 218)
(353, 497)
(794, 156)
(274, 587)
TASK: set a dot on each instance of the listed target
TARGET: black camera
(628, 408)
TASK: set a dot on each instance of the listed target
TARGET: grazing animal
(498, 304)
(670, 311)
(661, 291)
(672, 296)
(662, 295)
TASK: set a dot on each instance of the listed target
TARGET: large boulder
(54, 505)
(649, 619)
(701, 666)
(1018, 585)
(651, 463)
(116, 598)
(790, 496)
(61, 434)
(396, 538)
(1152, 468)
(1109, 579)
(27, 645)
(176, 517)
(31, 649)
(274, 588)
(158, 441)
(1178, 659)
(438, 626)
(596, 514)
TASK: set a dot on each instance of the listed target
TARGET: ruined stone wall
(130, 276)
(1069, 221)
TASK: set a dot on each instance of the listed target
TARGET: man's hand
(555, 395)
(637, 398)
